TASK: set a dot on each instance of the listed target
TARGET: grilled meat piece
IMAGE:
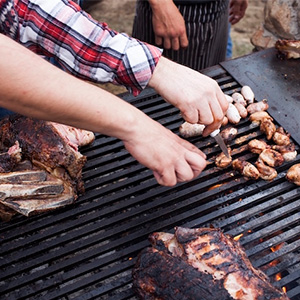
(257, 146)
(248, 94)
(267, 127)
(288, 48)
(228, 134)
(293, 174)
(288, 151)
(245, 168)
(187, 129)
(198, 264)
(266, 172)
(271, 157)
(280, 137)
(45, 147)
(258, 106)
(257, 117)
(222, 161)
(233, 114)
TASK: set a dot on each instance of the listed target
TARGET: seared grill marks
(199, 264)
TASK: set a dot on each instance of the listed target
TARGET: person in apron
(196, 38)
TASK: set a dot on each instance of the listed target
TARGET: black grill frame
(87, 250)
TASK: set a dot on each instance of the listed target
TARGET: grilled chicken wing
(258, 106)
(228, 134)
(293, 174)
(266, 172)
(196, 264)
(246, 168)
(271, 157)
(222, 161)
(280, 137)
(187, 129)
(268, 127)
(256, 117)
(257, 146)
(288, 151)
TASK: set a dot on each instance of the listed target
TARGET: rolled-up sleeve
(84, 47)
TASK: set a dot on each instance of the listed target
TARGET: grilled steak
(199, 264)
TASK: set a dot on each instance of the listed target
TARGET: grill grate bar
(87, 251)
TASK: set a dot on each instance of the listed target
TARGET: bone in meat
(167, 269)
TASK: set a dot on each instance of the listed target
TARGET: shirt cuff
(137, 65)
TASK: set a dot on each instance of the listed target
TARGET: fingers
(172, 43)
(185, 170)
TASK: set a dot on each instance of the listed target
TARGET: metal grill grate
(87, 250)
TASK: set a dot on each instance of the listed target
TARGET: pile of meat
(200, 263)
(272, 151)
(40, 165)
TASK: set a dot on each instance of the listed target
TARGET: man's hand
(237, 9)
(198, 97)
(171, 158)
(168, 25)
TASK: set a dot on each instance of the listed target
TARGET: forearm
(33, 87)
(86, 48)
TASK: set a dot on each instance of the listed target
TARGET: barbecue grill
(87, 250)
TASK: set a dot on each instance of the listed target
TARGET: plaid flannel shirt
(84, 47)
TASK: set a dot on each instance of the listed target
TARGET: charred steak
(202, 264)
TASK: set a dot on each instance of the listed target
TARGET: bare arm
(31, 86)
(168, 25)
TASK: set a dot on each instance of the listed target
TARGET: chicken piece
(256, 117)
(203, 263)
(288, 48)
(222, 161)
(288, 152)
(271, 157)
(257, 146)
(187, 129)
(248, 94)
(228, 134)
(258, 106)
(245, 168)
(293, 174)
(267, 127)
(238, 98)
(241, 109)
(233, 114)
(266, 172)
(281, 138)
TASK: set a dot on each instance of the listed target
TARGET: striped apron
(206, 26)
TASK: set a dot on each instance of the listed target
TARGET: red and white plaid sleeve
(86, 48)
